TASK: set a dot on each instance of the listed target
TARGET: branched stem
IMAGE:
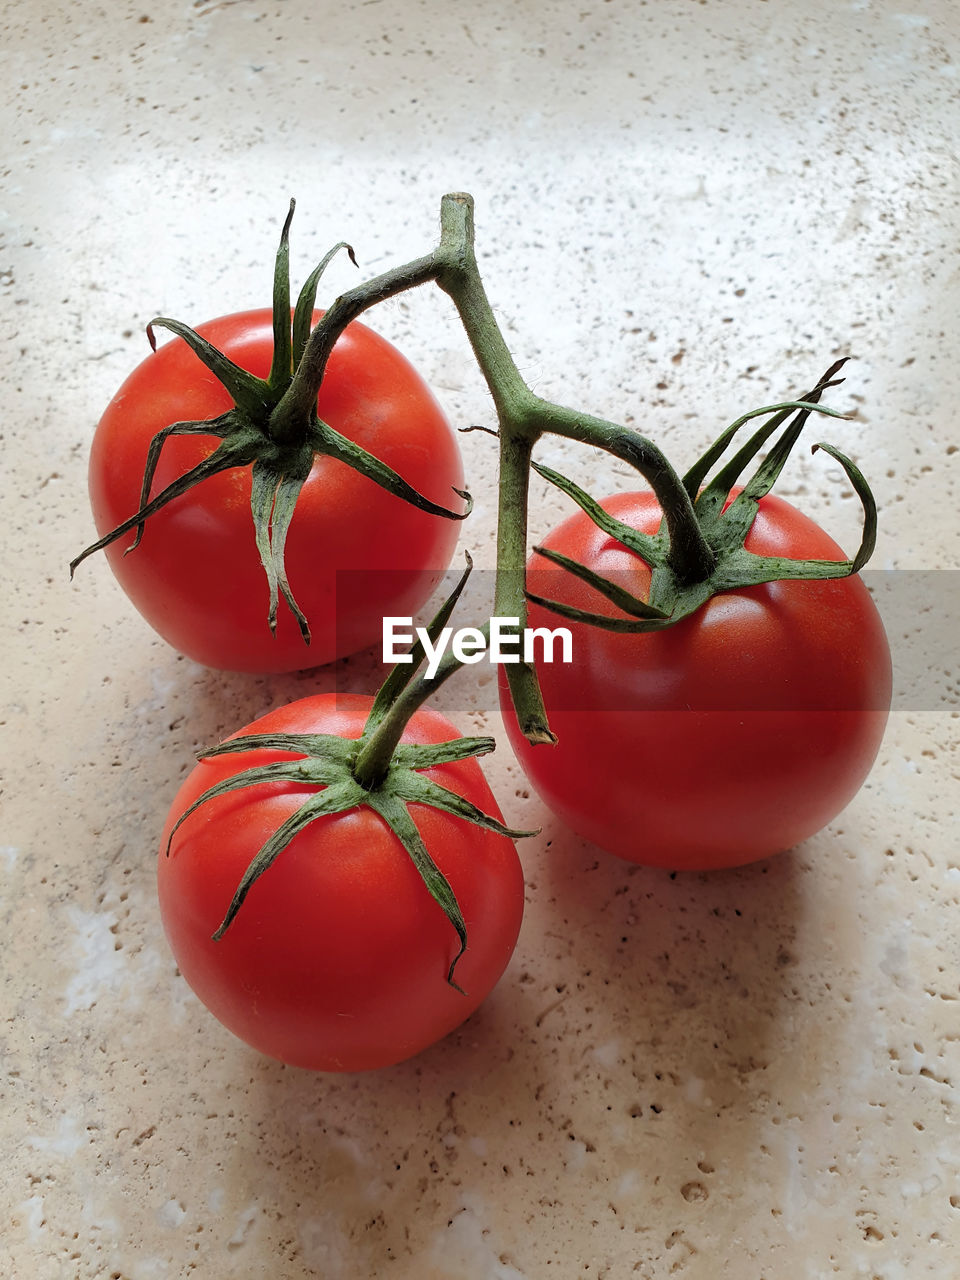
(523, 418)
(461, 280)
(689, 555)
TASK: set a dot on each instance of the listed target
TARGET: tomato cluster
(336, 881)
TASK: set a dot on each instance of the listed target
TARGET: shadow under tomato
(707, 949)
(379, 1156)
(693, 974)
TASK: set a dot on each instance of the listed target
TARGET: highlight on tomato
(336, 881)
(721, 706)
(263, 520)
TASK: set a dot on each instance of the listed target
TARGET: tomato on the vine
(354, 551)
(339, 958)
(726, 737)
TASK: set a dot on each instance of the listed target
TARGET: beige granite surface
(684, 209)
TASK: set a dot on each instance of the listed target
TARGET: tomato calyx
(376, 770)
(280, 460)
(724, 516)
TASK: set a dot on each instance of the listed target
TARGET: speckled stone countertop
(683, 209)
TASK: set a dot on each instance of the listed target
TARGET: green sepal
(288, 347)
(280, 771)
(428, 755)
(694, 479)
(325, 439)
(396, 815)
(740, 515)
(617, 595)
(250, 394)
(709, 502)
(281, 366)
(337, 798)
(724, 530)
(648, 547)
(307, 301)
(319, 745)
(237, 450)
(273, 498)
(863, 491)
(214, 428)
(414, 788)
(605, 621)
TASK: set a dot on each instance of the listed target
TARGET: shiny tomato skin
(731, 736)
(338, 958)
(196, 576)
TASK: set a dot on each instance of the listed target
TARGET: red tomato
(730, 736)
(354, 552)
(338, 958)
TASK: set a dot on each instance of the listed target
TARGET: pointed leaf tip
(289, 218)
(467, 496)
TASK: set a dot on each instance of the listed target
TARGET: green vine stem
(698, 551)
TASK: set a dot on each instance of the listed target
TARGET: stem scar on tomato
(274, 429)
(376, 770)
